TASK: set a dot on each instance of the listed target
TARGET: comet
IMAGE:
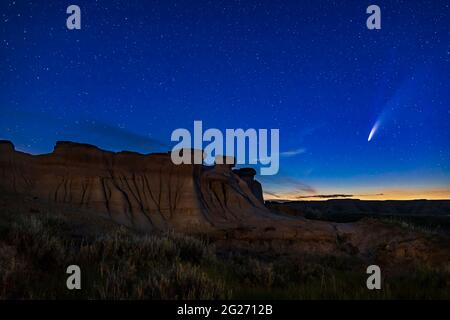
(374, 130)
(404, 96)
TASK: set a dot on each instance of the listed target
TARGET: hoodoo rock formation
(142, 191)
(248, 175)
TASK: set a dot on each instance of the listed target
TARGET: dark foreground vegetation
(36, 248)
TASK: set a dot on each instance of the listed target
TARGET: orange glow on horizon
(383, 194)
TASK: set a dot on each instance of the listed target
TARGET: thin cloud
(291, 185)
(123, 136)
(270, 193)
(102, 134)
(327, 196)
(292, 153)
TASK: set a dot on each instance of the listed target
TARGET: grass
(35, 250)
(425, 225)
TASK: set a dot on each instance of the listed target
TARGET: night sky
(137, 70)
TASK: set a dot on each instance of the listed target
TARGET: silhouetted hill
(363, 207)
(431, 214)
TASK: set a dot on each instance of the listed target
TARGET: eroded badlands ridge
(142, 191)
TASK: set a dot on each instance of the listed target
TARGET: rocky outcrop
(248, 175)
(143, 191)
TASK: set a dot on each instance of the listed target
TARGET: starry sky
(137, 70)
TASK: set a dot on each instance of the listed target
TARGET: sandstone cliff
(142, 191)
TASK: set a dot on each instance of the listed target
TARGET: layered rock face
(142, 191)
(248, 175)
